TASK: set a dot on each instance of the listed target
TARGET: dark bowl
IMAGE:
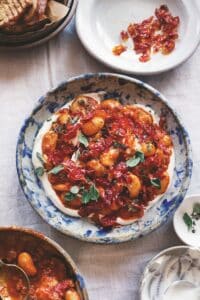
(31, 235)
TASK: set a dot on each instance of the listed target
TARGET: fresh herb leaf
(94, 194)
(188, 220)
(74, 120)
(39, 171)
(74, 189)
(156, 182)
(135, 160)
(83, 140)
(69, 196)
(91, 195)
(56, 169)
(119, 145)
(140, 155)
(39, 156)
(85, 197)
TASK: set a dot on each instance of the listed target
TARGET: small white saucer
(99, 24)
(181, 229)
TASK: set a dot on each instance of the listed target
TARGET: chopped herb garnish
(188, 220)
(60, 128)
(85, 197)
(192, 219)
(74, 189)
(69, 196)
(156, 182)
(83, 140)
(91, 195)
(140, 154)
(56, 169)
(94, 194)
(74, 120)
(119, 145)
(39, 156)
(39, 171)
(135, 160)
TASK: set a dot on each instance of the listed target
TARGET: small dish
(174, 265)
(189, 233)
(32, 39)
(129, 91)
(180, 264)
(99, 24)
(45, 253)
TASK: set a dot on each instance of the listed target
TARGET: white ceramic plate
(187, 236)
(99, 24)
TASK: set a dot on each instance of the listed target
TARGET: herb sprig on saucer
(190, 220)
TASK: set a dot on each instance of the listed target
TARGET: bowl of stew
(52, 273)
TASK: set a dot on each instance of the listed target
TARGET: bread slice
(12, 10)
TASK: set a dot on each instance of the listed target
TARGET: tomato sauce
(53, 277)
(117, 164)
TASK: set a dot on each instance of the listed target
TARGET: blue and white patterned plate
(129, 90)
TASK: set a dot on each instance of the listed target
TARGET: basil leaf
(39, 171)
(83, 140)
(133, 162)
(56, 169)
(91, 195)
(188, 220)
(156, 182)
(85, 197)
(74, 120)
(140, 155)
(74, 189)
(69, 196)
(94, 194)
(39, 156)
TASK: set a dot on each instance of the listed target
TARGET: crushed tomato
(103, 177)
(155, 34)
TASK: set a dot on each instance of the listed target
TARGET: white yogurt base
(51, 194)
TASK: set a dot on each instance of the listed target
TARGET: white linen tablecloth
(111, 272)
